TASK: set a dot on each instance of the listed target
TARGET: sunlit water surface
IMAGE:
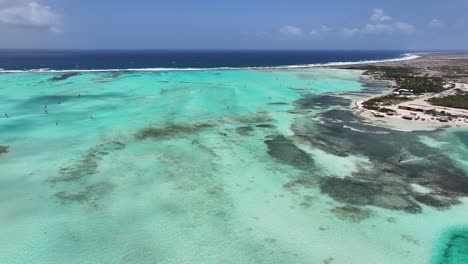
(221, 166)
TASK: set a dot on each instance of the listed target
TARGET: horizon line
(218, 49)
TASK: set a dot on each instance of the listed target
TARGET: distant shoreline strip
(407, 56)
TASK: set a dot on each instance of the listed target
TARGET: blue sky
(240, 24)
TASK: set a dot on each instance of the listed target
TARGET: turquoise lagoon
(221, 166)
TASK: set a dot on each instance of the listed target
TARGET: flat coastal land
(425, 93)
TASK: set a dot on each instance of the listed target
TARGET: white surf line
(407, 56)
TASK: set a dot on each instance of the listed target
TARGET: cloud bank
(436, 23)
(378, 15)
(31, 14)
(291, 30)
(379, 23)
(382, 23)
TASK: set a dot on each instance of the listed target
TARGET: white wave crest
(405, 57)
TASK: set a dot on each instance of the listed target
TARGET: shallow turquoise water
(452, 247)
(212, 167)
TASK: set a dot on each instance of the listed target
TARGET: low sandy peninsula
(405, 109)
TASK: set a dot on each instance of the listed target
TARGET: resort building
(416, 108)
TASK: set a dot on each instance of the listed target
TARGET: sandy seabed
(231, 166)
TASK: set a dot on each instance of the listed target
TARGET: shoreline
(413, 113)
(406, 57)
(401, 124)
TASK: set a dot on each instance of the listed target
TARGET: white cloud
(324, 28)
(378, 15)
(314, 32)
(378, 28)
(291, 30)
(404, 27)
(29, 14)
(381, 23)
(436, 23)
(349, 32)
(399, 27)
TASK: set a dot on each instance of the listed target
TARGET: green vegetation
(385, 110)
(421, 84)
(389, 72)
(405, 78)
(432, 112)
(376, 102)
(459, 100)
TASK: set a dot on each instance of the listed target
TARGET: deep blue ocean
(89, 60)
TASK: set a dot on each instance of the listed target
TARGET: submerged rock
(436, 201)
(245, 130)
(301, 182)
(355, 192)
(266, 126)
(285, 151)
(452, 247)
(386, 182)
(278, 103)
(320, 101)
(63, 76)
(91, 194)
(88, 164)
(351, 213)
(109, 147)
(172, 131)
(3, 149)
(253, 119)
(54, 99)
(85, 167)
